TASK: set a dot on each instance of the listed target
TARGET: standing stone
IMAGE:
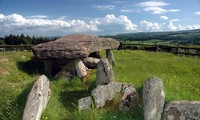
(81, 69)
(104, 74)
(85, 103)
(110, 57)
(153, 99)
(182, 110)
(37, 99)
(47, 67)
(129, 99)
(68, 71)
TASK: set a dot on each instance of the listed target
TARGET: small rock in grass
(129, 99)
(182, 110)
(85, 103)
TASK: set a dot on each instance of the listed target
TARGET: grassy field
(180, 75)
(149, 42)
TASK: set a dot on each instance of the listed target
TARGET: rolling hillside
(187, 37)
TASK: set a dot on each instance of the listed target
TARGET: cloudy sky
(99, 17)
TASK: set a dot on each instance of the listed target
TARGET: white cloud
(175, 20)
(105, 7)
(38, 16)
(164, 17)
(197, 13)
(152, 4)
(155, 10)
(171, 25)
(121, 20)
(149, 26)
(127, 10)
(17, 24)
(155, 7)
(174, 10)
(167, 26)
(189, 27)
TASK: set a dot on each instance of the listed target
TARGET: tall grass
(180, 76)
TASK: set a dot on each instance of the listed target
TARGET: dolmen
(73, 54)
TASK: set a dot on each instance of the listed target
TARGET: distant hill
(187, 37)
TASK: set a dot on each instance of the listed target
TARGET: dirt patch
(4, 69)
(4, 72)
(4, 60)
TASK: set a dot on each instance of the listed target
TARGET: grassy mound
(180, 75)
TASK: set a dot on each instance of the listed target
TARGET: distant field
(180, 75)
(150, 42)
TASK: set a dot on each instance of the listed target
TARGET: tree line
(24, 40)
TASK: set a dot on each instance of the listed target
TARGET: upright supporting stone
(104, 73)
(37, 99)
(110, 57)
(81, 69)
(153, 99)
(48, 66)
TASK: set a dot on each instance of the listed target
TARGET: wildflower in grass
(174, 76)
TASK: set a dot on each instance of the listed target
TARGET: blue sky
(99, 17)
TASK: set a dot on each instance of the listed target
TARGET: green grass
(180, 75)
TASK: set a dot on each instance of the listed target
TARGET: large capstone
(73, 46)
(153, 99)
(56, 54)
(182, 110)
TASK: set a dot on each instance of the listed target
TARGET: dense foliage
(24, 40)
(188, 37)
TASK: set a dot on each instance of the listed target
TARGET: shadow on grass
(113, 113)
(30, 67)
(69, 99)
(14, 109)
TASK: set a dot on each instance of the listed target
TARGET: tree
(2, 41)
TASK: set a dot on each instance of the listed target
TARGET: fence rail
(186, 50)
(15, 47)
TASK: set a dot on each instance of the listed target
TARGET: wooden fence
(186, 50)
(15, 47)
